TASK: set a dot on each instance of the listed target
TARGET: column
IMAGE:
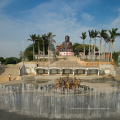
(86, 71)
(98, 72)
(48, 71)
(73, 72)
(61, 71)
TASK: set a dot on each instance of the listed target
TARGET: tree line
(107, 37)
(10, 60)
(43, 43)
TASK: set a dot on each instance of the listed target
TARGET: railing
(108, 66)
(42, 56)
(95, 64)
(113, 70)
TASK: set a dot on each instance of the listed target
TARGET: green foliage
(12, 60)
(91, 33)
(2, 60)
(83, 36)
(115, 56)
(95, 34)
(80, 48)
(29, 50)
(29, 55)
(74, 48)
(52, 48)
(57, 52)
(33, 37)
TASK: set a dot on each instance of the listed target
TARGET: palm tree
(38, 39)
(84, 37)
(109, 40)
(50, 37)
(91, 36)
(103, 34)
(106, 41)
(95, 34)
(113, 35)
(33, 37)
(43, 38)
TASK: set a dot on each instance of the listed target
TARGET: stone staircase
(68, 61)
(71, 58)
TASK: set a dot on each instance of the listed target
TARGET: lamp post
(49, 38)
(23, 66)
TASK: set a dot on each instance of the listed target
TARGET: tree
(33, 37)
(79, 47)
(95, 34)
(38, 39)
(103, 34)
(50, 41)
(2, 60)
(29, 52)
(109, 41)
(106, 41)
(84, 37)
(12, 60)
(115, 57)
(91, 33)
(74, 48)
(113, 34)
(44, 38)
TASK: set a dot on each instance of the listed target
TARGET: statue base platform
(66, 53)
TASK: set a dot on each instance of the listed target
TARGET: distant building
(106, 55)
(59, 47)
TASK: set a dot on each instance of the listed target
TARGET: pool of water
(30, 99)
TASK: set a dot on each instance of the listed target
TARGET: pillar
(86, 71)
(61, 71)
(98, 72)
(48, 71)
(73, 72)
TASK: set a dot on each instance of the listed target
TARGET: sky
(21, 18)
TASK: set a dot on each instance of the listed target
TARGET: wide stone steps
(65, 63)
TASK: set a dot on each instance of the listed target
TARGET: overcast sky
(21, 18)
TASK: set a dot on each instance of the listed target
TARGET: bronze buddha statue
(67, 46)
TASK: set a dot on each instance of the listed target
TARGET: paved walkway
(13, 70)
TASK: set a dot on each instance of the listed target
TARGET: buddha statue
(67, 46)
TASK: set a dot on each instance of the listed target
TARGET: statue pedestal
(66, 53)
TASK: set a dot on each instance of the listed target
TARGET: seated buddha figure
(67, 46)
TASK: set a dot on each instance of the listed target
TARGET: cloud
(3, 3)
(87, 17)
(54, 16)
(60, 20)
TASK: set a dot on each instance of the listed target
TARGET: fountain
(71, 86)
(46, 101)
